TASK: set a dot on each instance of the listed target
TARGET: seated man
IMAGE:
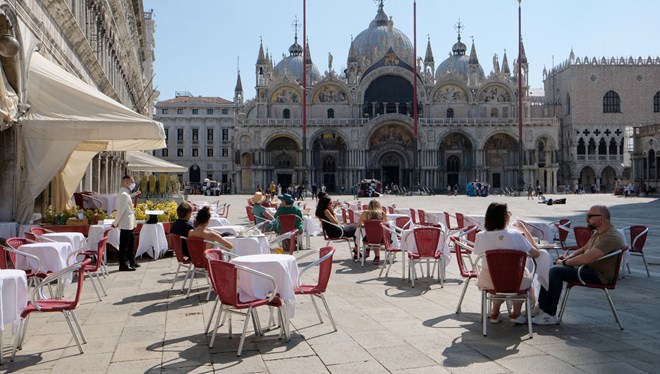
(606, 239)
(288, 207)
(182, 225)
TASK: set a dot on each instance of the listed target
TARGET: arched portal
(457, 158)
(607, 179)
(329, 161)
(194, 174)
(283, 155)
(587, 177)
(501, 160)
(391, 168)
(391, 146)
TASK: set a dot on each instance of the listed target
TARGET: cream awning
(140, 161)
(68, 123)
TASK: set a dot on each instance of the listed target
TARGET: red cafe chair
(177, 244)
(638, 235)
(426, 241)
(324, 264)
(463, 250)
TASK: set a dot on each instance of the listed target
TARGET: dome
(458, 62)
(293, 64)
(375, 41)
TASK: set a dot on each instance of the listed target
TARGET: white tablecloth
(253, 245)
(52, 255)
(233, 230)
(219, 221)
(311, 226)
(281, 267)
(404, 211)
(152, 240)
(76, 239)
(107, 201)
(96, 233)
(542, 230)
(436, 217)
(13, 296)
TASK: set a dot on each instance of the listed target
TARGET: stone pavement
(384, 325)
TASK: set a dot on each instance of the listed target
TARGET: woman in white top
(498, 236)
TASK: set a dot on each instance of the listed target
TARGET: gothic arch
(389, 71)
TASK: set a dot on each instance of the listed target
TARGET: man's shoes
(545, 319)
(520, 320)
(135, 265)
(127, 268)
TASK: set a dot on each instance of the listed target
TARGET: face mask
(131, 186)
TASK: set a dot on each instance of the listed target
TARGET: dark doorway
(452, 179)
(285, 180)
(329, 182)
(496, 180)
(194, 177)
(390, 175)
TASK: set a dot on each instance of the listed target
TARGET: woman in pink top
(498, 236)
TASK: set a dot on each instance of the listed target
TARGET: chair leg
(460, 301)
(412, 272)
(208, 325)
(564, 301)
(189, 274)
(192, 277)
(616, 315)
(75, 336)
(175, 275)
(528, 307)
(96, 274)
(75, 320)
(217, 325)
(91, 280)
(484, 313)
(17, 338)
(646, 266)
(245, 325)
(316, 307)
(327, 309)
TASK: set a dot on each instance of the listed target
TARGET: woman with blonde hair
(374, 212)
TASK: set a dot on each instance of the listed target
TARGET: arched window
(331, 113)
(611, 102)
(450, 113)
(453, 164)
(329, 164)
(602, 147)
(613, 147)
(581, 148)
(591, 148)
(656, 102)
(286, 113)
(493, 113)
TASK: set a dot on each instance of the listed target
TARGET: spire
(308, 61)
(473, 54)
(295, 49)
(352, 56)
(523, 56)
(429, 52)
(239, 85)
(459, 48)
(261, 59)
(505, 65)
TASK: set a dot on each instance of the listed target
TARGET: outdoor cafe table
(13, 299)
(543, 230)
(152, 240)
(52, 255)
(219, 221)
(249, 245)
(232, 230)
(107, 201)
(281, 267)
(96, 233)
(76, 239)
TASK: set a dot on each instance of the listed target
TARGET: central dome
(458, 62)
(292, 65)
(374, 42)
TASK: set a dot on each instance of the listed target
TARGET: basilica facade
(360, 121)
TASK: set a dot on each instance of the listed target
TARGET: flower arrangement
(169, 207)
(59, 218)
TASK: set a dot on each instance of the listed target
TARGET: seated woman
(260, 212)
(374, 212)
(498, 236)
(200, 231)
(324, 211)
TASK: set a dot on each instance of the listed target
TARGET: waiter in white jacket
(126, 222)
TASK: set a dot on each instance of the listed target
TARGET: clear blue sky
(198, 41)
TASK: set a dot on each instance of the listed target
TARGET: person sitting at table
(374, 212)
(325, 212)
(498, 236)
(288, 207)
(200, 230)
(605, 240)
(182, 225)
(260, 213)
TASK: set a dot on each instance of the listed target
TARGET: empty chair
(582, 235)
(506, 268)
(223, 210)
(450, 228)
(30, 236)
(563, 229)
(638, 236)
(413, 216)
(426, 241)
(34, 275)
(38, 303)
(290, 222)
(224, 277)
(404, 223)
(317, 290)
(286, 241)
(604, 287)
(462, 251)
(93, 269)
(391, 250)
(39, 231)
(196, 248)
(460, 220)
